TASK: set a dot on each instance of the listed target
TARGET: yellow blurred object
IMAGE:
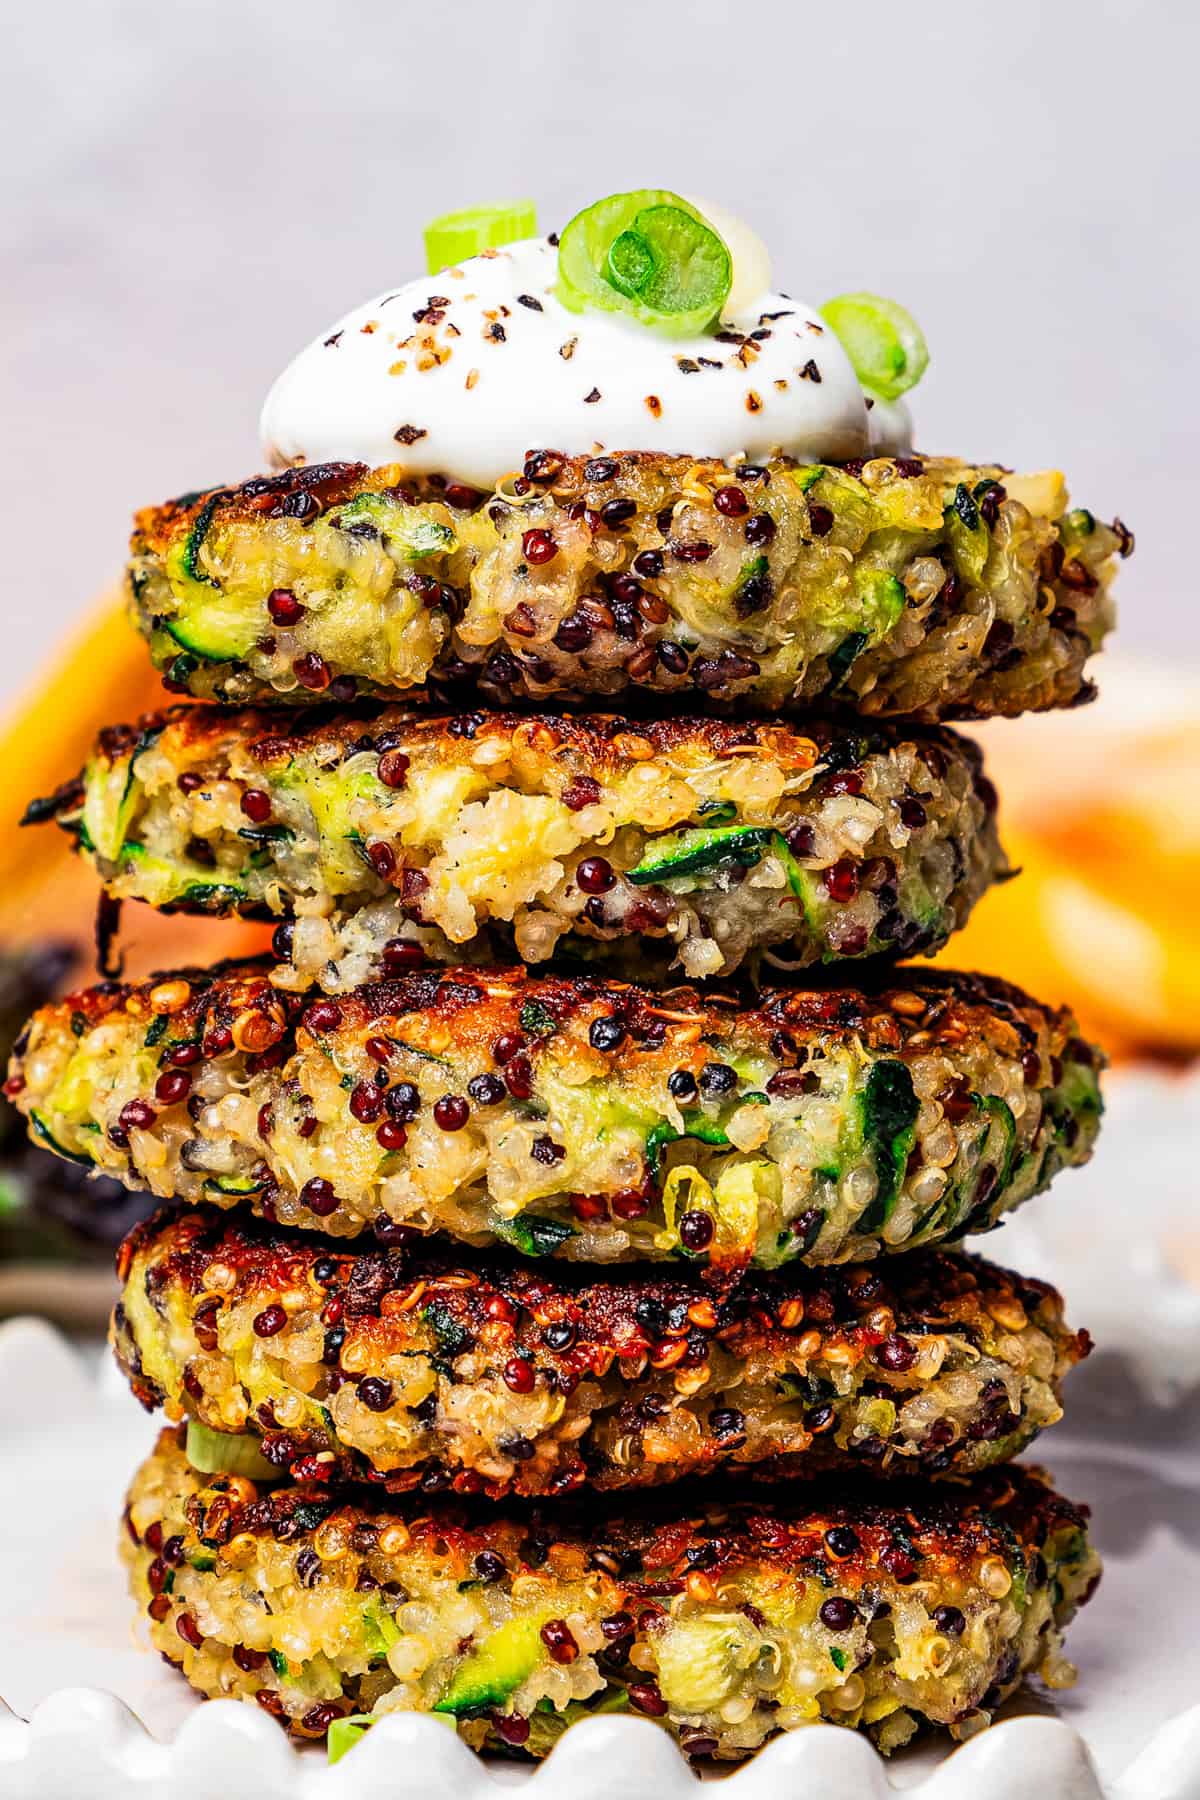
(1060, 931)
(101, 676)
(1108, 844)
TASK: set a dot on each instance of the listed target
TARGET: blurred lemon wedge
(1106, 835)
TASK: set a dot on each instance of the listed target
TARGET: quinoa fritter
(882, 1609)
(700, 840)
(495, 1376)
(592, 1118)
(914, 586)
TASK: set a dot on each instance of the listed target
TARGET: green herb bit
(537, 1020)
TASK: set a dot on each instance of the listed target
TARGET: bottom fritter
(728, 1622)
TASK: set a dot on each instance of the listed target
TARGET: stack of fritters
(489, 1212)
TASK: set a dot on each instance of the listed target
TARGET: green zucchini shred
(889, 1109)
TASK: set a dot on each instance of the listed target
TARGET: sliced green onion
(884, 342)
(457, 235)
(648, 254)
(224, 1453)
(345, 1733)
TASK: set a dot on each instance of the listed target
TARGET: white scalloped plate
(108, 1720)
(1121, 1239)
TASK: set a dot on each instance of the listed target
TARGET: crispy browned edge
(898, 1527)
(955, 1006)
(594, 739)
(649, 1316)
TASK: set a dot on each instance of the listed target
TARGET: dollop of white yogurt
(464, 372)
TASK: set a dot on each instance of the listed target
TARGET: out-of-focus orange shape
(1103, 915)
(101, 676)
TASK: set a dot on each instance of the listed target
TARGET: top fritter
(730, 506)
(933, 589)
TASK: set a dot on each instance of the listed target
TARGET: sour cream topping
(462, 373)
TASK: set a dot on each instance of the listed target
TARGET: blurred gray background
(191, 192)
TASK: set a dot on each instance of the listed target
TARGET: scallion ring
(650, 255)
(345, 1732)
(457, 235)
(883, 341)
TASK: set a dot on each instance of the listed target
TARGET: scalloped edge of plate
(83, 1743)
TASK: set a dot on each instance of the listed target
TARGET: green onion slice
(457, 235)
(227, 1453)
(884, 342)
(647, 254)
(344, 1733)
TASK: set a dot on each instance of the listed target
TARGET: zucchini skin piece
(890, 1109)
(212, 635)
(695, 1125)
(41, 1133)
(531, 1235)
(686, 852)
(492, 1671)
(189, 559)
(842, 659)
(238, 1186)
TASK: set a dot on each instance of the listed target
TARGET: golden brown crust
(601, 742)
(785, 1529)
(634, 1381)
(904, 1008)
(157, 528)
